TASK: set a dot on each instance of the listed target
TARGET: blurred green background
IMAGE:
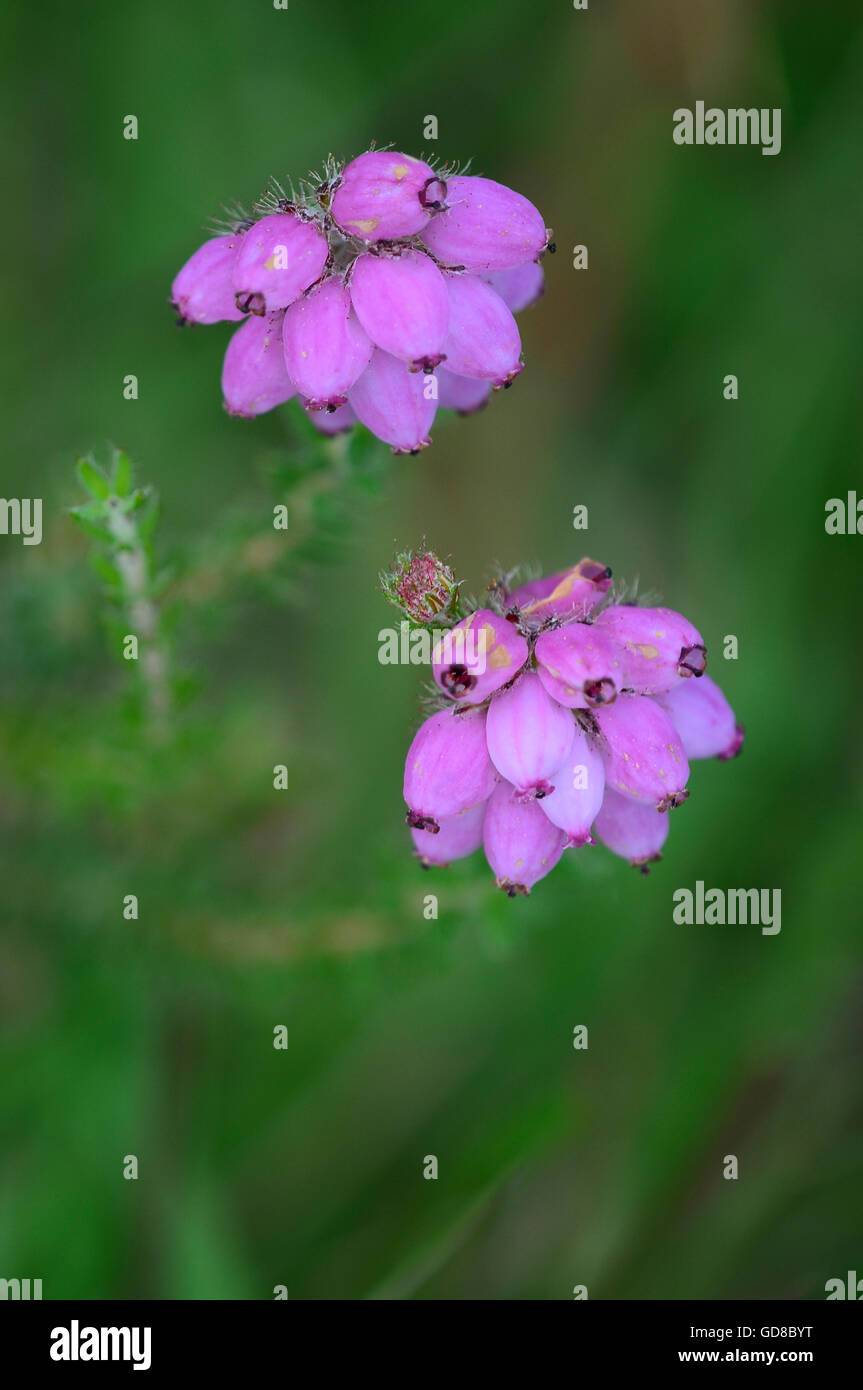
(411, 1037)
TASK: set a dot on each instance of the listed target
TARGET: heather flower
(643, 755)
(539, 745)
(203, 291)
(456, 837)
(660, 647)
(521, 843)
(483, 339)
(448, 768)
(383, 196)
(485, 226)
(394, 403)
(574, 593)
(578, 665)
(529, 735)
(402, 303)
(400, 281)
(704, 720)
(326, 346)
(480, 655)
(280, 256)
(579, 789)
(519, 287)
(632, 829)
(254, 375)
(463, 394)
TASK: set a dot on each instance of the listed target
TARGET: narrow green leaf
(135, 500)
(97, 532)
(93, 479)
(89, 511)
(122, 476)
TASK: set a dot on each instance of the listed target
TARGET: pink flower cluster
(353, 294)
(570, 718)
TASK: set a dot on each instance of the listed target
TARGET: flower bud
(633, 829)
(421, 586)
(521, 844)
(572, 593)
(384, 195)
(447, 768)
(704, 719)
(578, 666)
(485, 226)
(203, 291)
(658, 647)
(326, 347)
(401, 301)
(642, 751)
(393, 403)
(332, 422)
(464, 394)
(281, 256)
(478, 656)
(457, 837)
(529, 735)
(254, 376)
(519, 287)
(483, 339)
(579, 786)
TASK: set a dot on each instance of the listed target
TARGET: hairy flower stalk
(565, 719)
(369, 279)
(117, 516)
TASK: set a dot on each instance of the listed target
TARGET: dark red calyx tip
(535, 793)
(596, 572)
(250, 303)
(426, 364)
(692, 661)
(432, 195)
(601, 692)
(643, 865)
(457, 680)
(735, 747)
(418, 822)
(514, 890)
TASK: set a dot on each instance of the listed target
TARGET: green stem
(134, 568)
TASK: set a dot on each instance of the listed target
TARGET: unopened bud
(421, 585)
